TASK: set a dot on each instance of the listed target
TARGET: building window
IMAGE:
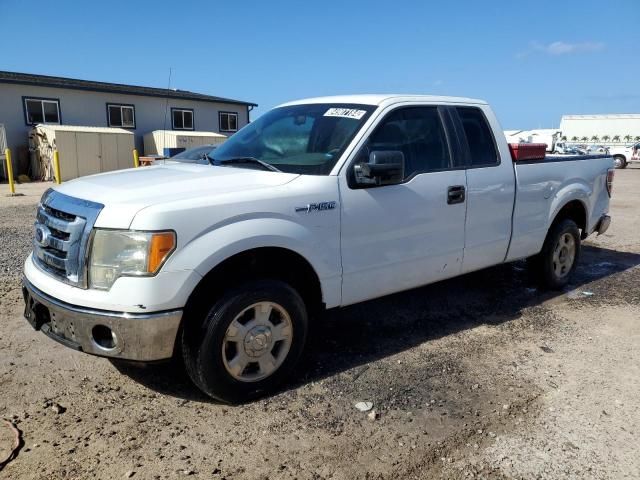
(121, 115)
(182, 118)
(42, 110)
(228, 122)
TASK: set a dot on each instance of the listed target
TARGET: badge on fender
(316, 207)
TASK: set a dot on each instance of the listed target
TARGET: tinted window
(482, 147)
(418, 133)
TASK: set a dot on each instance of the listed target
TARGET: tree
(563, 138)
(627, 138)
(574, 139)
(616, 138)
(594, 138)
(636, 138)
(585, 139)
(606, 138)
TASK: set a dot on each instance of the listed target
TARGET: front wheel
(619, 161)
(246, 343)
(558, 258)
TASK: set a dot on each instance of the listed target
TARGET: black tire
(543, 265)
(203, 339)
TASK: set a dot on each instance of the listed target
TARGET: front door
(396, 237)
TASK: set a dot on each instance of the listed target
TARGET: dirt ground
(478, 377)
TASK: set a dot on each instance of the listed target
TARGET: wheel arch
(574, 210)
(277, 263)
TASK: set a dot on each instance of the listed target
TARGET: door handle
(455, 194)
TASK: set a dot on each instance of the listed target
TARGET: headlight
(117, 253)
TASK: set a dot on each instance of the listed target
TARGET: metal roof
(380, 99)
(89, 85)
(81, 128)
(605, 116)
(189, 133)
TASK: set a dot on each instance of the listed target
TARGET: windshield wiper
(253, 160)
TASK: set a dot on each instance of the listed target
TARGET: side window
(418, 133)
(482, 147)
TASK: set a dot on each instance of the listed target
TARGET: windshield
(194, 154)
(306, 139)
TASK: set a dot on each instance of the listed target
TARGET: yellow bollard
(12, 187)
(136, 158)
(56, 167)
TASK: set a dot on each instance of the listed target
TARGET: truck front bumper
(131, 336)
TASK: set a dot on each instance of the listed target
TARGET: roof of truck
(380, 99)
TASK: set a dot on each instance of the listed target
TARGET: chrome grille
(62, 230)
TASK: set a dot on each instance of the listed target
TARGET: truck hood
(125, 192)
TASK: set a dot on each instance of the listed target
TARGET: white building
(619, 128)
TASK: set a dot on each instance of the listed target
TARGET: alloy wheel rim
(257, 342)
(564, 254)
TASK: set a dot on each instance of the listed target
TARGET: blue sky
(533, 61)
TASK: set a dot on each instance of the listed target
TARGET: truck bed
(542, 187)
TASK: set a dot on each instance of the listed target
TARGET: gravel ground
(478, 377)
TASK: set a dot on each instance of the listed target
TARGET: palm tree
(563, 138)
(606, 138)
(616, 138)
(594, 138)
(627, 138)
(584, 139)
(636, 138)
(574, 139)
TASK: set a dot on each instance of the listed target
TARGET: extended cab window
(418, 133)
(482, 147)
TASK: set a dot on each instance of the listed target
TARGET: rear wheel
(558, 258)
(248, 342)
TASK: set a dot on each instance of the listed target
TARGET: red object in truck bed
(527, 151)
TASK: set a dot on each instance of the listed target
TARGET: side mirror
(385, 167)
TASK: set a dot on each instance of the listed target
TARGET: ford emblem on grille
(42, 235)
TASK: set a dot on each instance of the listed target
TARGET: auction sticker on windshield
(345, 112)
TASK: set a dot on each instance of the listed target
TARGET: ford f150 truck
(317, 204)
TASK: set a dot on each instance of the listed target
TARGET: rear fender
(577, 189)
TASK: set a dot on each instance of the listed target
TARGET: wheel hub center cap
(257, 341)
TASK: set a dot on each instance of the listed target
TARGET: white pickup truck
(317, 204)
(625, 154)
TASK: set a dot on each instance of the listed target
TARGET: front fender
(319, 246)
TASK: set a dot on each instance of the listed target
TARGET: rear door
(490, 189)
(395, 237)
